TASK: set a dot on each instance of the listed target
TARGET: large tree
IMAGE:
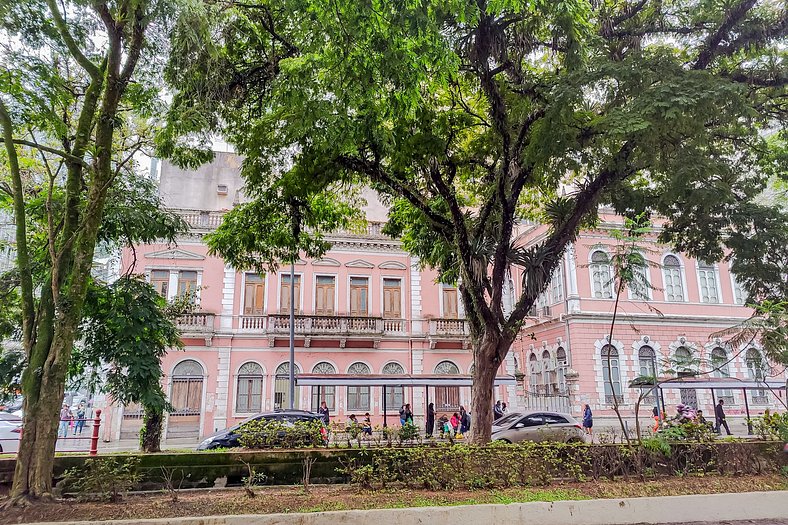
(470, 115)
(78, 88)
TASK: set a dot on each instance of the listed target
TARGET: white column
(419, 405)
(573, 297)
(415, 297)
(172, 286)
(511, 390)
(222, 389)
(228, 298)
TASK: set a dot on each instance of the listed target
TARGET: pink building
(366, 307)
(669, 325)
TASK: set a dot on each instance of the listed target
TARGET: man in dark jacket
(497, 411)
(719, 418)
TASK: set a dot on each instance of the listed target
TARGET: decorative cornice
(175, 253)
(392, 265)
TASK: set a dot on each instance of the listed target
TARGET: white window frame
(368, 277)
(647, 288)
(611, 284)
(734, 285)
(279, 276)
(236, 377)
(336, 290)
(402, 299)
(460, 309)
(243, 294)
(682, 271)
(716, 271)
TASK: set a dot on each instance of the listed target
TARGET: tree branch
(91, 68)
(54, 151)
(733, 17)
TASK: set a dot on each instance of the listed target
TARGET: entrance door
(186, 400)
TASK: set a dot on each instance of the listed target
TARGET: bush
(500, 465)
(771, 426)
(102, 479)
(279, 434)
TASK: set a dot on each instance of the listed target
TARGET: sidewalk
(765, 508)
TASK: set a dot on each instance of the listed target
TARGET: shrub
(279, 434)
(771, 425)
(103, 479)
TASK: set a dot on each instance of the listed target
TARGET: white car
(10, 432)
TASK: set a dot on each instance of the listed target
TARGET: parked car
(537, 426)
(10, 433)
(228, 438)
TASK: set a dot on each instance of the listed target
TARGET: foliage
(498, 465)
(105, 479)
(470, 116)
(12, 362)
(771, 425)
(768, 326)
(278, 434)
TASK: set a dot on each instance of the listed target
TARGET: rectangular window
(284, 298)
(323, 393)
(324, 295)
(160, 280)
(739, 295)
(450, 310)
(358, 398)
(254, 294)
(392, 298)
(250, 395)
(395, 397)
(557, 286)
(447, 398)
(639, 287)
(187, 284)
(707, 281)
(359, 297)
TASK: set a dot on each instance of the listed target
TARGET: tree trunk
(488, 356)
(150, 434)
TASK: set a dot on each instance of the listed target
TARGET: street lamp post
(292, 334)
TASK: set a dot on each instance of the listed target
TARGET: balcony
(201, 220)
(448, 330)
(334, 325)
(197, 324)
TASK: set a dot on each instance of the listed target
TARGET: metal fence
(551, 402)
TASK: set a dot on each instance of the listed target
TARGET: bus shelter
(713, 384)
(403, 380)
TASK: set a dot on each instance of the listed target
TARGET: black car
(228, 438)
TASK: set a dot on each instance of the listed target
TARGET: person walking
(455, 423)
(325, 415)
(504, 410)
(65, 420)
(719, 418)
(408, 414)
(497, 411)
(588, 420)
(430, 423)
(366, 425)
(655, 414)
(402, 416)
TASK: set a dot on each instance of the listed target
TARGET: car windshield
(507, 420)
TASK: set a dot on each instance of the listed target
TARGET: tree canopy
(469, 115)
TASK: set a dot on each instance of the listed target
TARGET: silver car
(537, 426)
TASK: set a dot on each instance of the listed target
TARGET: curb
(671, 509)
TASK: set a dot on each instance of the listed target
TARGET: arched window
(324, 393)
(282, 387)
(395, 395)
(249, 388)
(756, 371)
(648, 362)
(447, 398)
(683, 358)
(561, 365)
(548, 371)
(601, 275)
(640, 286)
(647, 359)
(674, 281)
(534, 375)
(611, 374)
(720, 368)
(707, 282)
(358, 396)
(186, 399)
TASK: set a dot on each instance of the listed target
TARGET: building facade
(366, 307)
(665, 329)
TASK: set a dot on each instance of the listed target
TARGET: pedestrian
(465, 421)
(719, 418)
(408, 415)
(65, 419)
(504, 410)
(588, 420)
(430, 423)
(325, 415)
(655, 413)
(497, 411)
(79, 424)
(402, 416)
(455, 423)
(366, 426)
